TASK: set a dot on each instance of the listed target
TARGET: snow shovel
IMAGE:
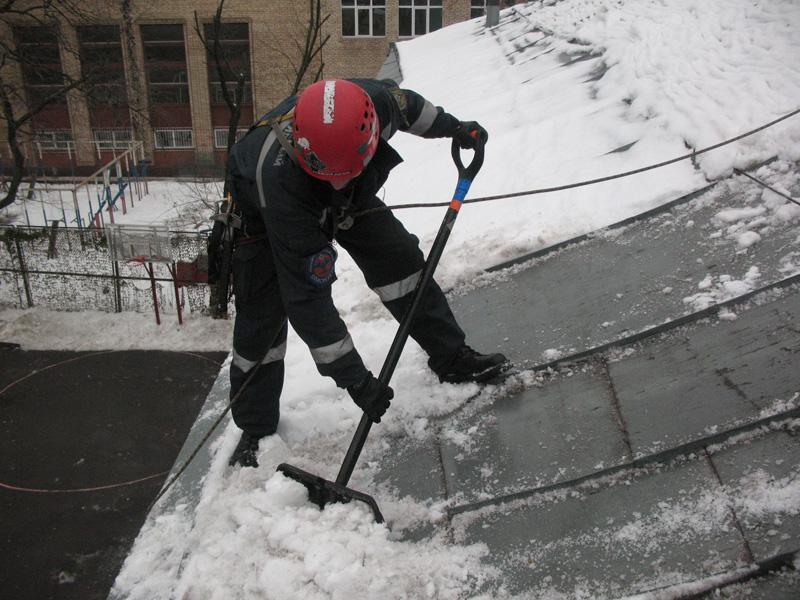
(321, 491)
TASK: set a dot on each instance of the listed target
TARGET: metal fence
(71, 269)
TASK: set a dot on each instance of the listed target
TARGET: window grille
(56, 139)
(221, 137)
(113, 139)
(418, 17)
(167, 139)
(363, 18)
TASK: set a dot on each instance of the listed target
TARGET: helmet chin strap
(339, 185)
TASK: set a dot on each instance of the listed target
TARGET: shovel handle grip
(471, 170)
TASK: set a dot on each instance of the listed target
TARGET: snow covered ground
(676, 74)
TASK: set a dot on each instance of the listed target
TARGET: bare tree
(17, 108)
(307, 53)
(212, 40)
(139, 116)
(311, 50)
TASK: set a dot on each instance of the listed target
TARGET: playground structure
(116, 185)
(129, 174)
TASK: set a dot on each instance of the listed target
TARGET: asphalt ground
(105, 425)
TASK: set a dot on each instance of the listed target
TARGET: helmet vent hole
(363, 127)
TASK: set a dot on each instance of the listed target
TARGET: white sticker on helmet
(328, 102)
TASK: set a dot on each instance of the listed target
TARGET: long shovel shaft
(400, 338)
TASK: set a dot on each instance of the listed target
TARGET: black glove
(371, 396)
(469, 134)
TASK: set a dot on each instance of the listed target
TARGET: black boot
(246, 451)
(468, 365)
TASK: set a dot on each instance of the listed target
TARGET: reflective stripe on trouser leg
(398, 289)
(274, 354)
(386, 252)
(325, 355)
(257, 409)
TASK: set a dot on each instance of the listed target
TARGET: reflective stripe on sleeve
(426, 118)
(328, 354)
(261, 156)
(275, 354)
(398, 289)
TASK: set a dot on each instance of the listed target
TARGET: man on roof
(297, 178)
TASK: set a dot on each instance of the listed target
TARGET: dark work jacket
(301, 214)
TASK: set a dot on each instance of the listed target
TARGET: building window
(477, 8)
(364, 18)
(221, 137)
(165, 61)
(234, 42)
(113, 139)
(55, 139)
(40, 60)
(170, 139)
(418, 17)
(102, 64)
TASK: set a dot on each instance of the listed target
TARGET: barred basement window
(418, 17)
(169, 139)
(113, 139)
(221, 137)
(56, 139)
(363, 18)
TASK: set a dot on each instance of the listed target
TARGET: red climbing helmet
(336, 130)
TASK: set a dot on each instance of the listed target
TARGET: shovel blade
(322, 492)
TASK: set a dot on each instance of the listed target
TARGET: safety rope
(769, 187)
(206, 437)
(559, 188)
(99, 488)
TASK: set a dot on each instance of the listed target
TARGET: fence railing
(72, 269)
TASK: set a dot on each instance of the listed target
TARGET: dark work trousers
(391, 262)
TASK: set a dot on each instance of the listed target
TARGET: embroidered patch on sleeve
(321, 266)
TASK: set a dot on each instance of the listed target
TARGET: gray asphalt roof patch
(618, 282)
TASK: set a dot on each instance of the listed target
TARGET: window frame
(221, 135)
(40, 79)
(228, 42)
(173, 134)
(112, 89)
(477, 5)
(415, 6)
(121, 138)
(179, 86)
(371, 8)
(53, 140)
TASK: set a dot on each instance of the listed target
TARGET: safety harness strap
(278, 131)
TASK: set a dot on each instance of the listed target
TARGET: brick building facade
(155, 83)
